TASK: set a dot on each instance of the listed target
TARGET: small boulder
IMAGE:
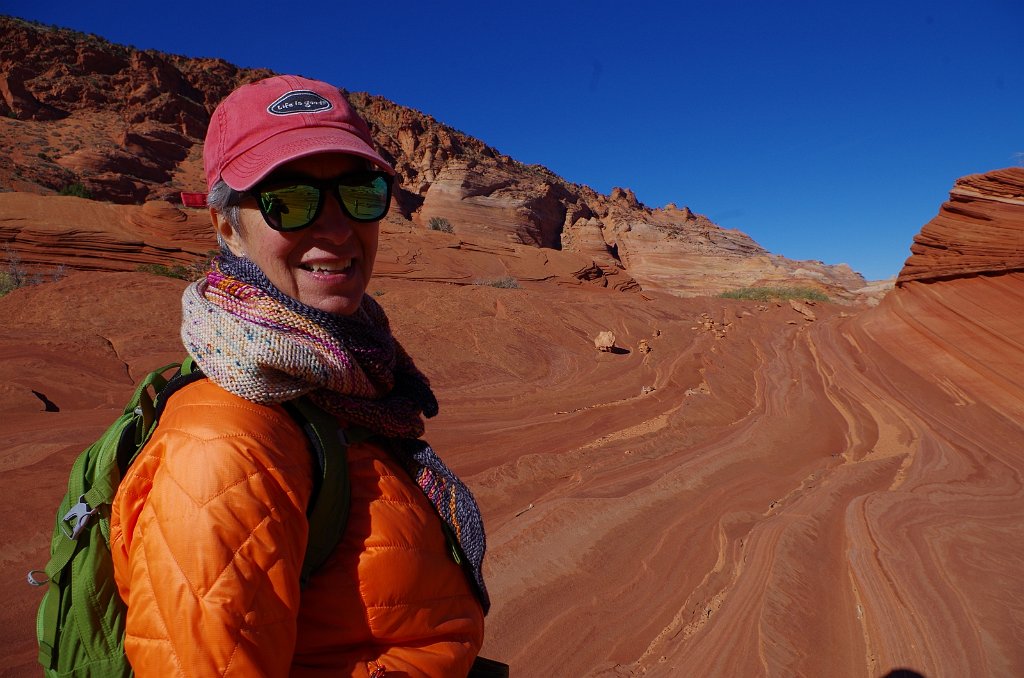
(605, 341)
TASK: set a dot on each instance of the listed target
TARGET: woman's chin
(338, 305)
(339, 295)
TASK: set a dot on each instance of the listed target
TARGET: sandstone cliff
(979, 230)
(79, 114)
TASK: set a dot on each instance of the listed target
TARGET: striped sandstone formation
(980, 230)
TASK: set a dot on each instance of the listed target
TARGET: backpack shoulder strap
(81, 531)
(150, 409)
(329, 504)
(104, 484)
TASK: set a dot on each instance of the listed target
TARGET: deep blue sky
(825, 130)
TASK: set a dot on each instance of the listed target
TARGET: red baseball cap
(267, 123)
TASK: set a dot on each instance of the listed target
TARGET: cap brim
(251, 167)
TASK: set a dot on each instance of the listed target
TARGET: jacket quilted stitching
(208, 535)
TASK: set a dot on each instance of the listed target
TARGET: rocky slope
(80, 114)
(742, 489)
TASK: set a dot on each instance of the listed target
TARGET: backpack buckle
(80, 513)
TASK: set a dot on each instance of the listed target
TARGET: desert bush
(76, 189)
(14, 270)
(440, 224)
(176, 271)
(774, 294)
(189, 272)
(14, 274)
(506, 282)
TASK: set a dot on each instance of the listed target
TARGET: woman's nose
(333, 223)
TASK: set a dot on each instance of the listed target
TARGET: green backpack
(81, 619)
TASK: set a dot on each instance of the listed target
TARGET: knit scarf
(253, 340)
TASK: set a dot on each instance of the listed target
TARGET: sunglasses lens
(366, 200)
(365, 197)
(290, 207)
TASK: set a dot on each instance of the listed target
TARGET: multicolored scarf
(253, 340)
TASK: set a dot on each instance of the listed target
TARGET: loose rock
(605, 342)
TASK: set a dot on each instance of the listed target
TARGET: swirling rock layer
(740, 489)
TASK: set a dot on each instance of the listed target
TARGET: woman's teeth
(325, 268)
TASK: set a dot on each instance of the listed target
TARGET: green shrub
(176, 271)
(189, 272)
(76, 189)
(440, 224)
(6, 283)
(774, 294)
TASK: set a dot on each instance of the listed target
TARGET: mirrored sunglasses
(294, 204)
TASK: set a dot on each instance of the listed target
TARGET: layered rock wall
(980, 229)
(114, 123)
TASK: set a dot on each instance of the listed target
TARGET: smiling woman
(305, 241)
(209, 526)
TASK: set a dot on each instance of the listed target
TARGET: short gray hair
(226, 200)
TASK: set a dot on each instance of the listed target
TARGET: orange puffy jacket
(208, 535)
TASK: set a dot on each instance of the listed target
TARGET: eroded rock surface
(752, 482)
(979, 230)
(756, 494)
(79, 114)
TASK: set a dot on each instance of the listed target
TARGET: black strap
(329, 503)
(187, 373)
(488, 668)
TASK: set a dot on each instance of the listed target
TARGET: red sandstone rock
(131, 128)
(753, 497)
(47, 233)
(17, 101)
(775, 491)
(980, 230)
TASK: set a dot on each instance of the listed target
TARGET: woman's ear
(226, 234)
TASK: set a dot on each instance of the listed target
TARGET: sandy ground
(760, 494)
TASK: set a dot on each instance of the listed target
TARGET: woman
(209, 526)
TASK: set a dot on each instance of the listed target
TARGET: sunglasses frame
(323, 186)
